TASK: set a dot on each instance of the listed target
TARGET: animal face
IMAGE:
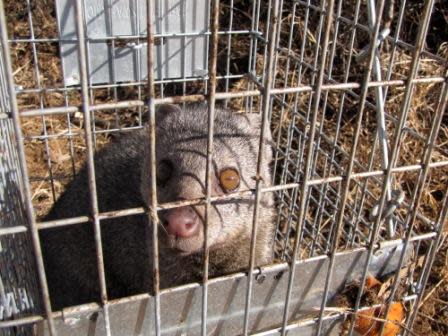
(181, 142)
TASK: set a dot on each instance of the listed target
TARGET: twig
(431, 319)
(349, 311)
(431, 292)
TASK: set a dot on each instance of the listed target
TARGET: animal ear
(165, 110)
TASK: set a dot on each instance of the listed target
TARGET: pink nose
(182, 222)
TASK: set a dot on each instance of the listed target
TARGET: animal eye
(164, 172)
(229, 179)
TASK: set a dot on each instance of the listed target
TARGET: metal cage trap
(355, 100)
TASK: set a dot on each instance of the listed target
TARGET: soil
(51, 172)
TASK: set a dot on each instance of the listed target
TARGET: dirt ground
(67, 153)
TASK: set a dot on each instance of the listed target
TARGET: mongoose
(123, 180)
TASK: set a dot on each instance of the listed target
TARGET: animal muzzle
(182, 222)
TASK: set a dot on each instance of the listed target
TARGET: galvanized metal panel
(19, 296)
(177, 57)
(181, 307)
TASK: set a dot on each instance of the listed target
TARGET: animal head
(181, 154)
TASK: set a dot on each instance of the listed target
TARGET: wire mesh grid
(344, 112)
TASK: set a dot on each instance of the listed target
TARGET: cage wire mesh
(354, 93)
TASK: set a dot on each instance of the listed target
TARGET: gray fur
(122, 175)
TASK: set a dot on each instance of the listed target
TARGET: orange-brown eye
(229, 179)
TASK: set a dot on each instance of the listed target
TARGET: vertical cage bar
(207, 47)
(66, 103)
(184, 44)
(285, 84)
(266, 103)
(139, 61)
(161, 8)
(315, 73)
(153, 218)
(419, 190)
(439, 226)
(323, 189)
(89, 73)
(343, 95)
(268, 27)
(82, 55)
(41, 100)
(277, 47)
(278, 142)
(430, 261)
(24, 172)
(3, 95)
(395, 45)
(229, 48)
(111, 56)
(395, 148)
(252, 62)
(304, 190)
(419, 45)
(214, 24)
(346, 182)
(380, 110)
(303, 44)
(290, 133)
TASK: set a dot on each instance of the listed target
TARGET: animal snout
(182, 222)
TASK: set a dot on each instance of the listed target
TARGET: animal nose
(182, 222)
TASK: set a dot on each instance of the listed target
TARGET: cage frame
(267, 92)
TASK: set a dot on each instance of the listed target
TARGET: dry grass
(52, 163)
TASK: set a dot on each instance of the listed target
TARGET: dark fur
(122, 177)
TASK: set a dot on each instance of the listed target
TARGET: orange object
(364, 324)
(367, 322)
(396, 314)
(372, 282)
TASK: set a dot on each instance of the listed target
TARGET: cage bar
(23, 171)
(335, 83)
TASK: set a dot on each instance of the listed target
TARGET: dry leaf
(368, 322)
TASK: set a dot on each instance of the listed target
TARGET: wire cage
(354, 93)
